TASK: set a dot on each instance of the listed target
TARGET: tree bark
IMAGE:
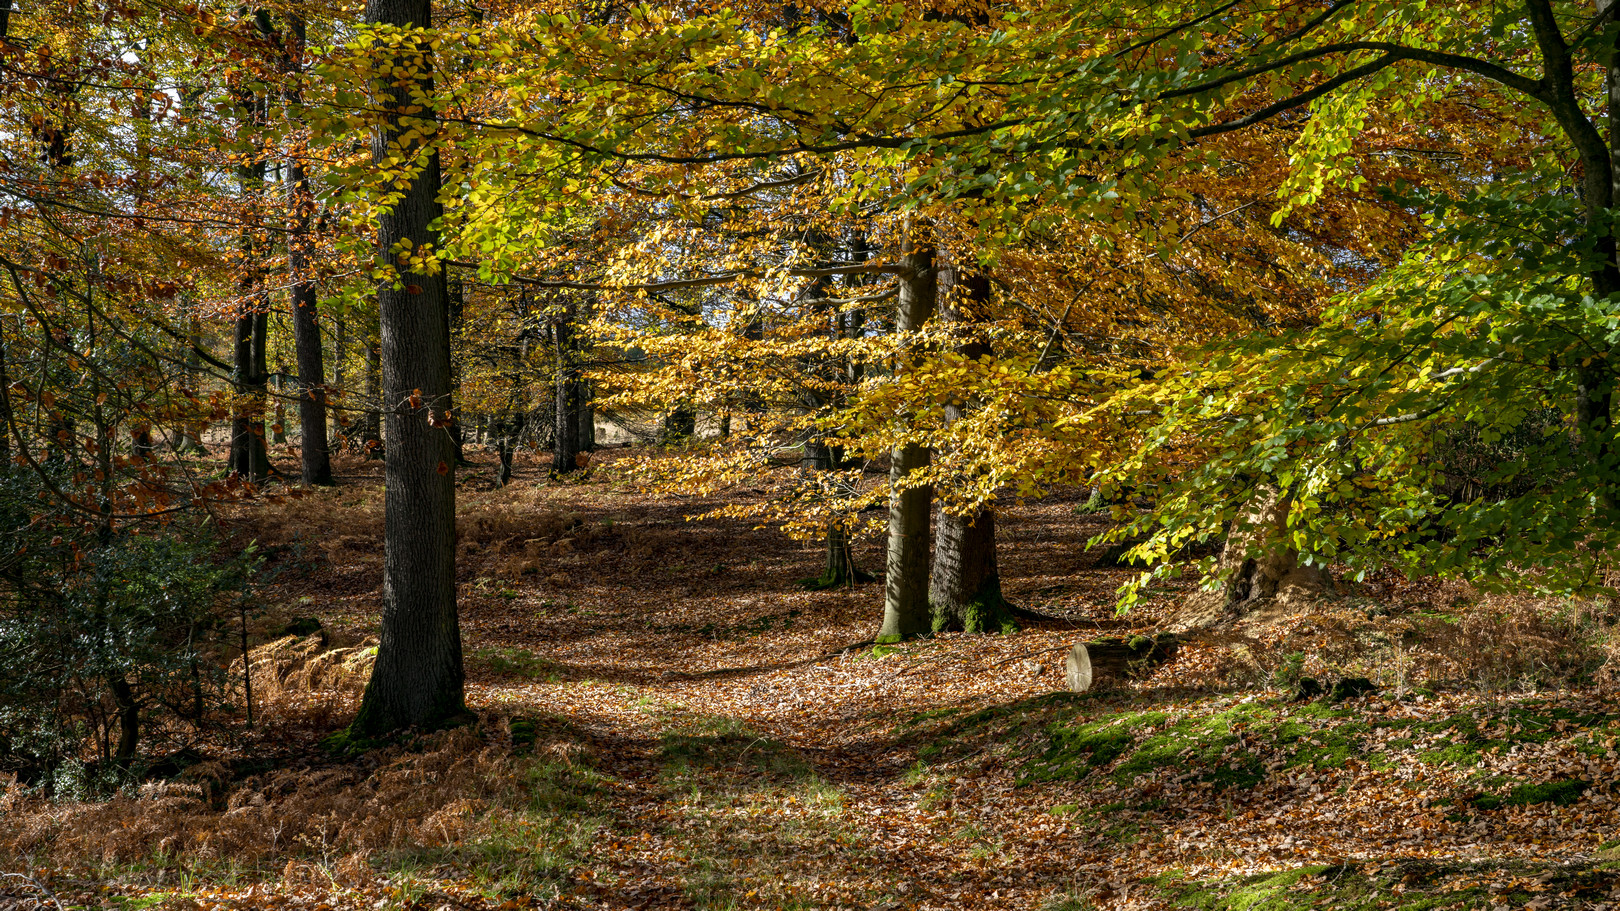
(965, 589)
(905, 586)
(1260, 567)
(248, 456)
(315, 458)
(565, 447)
(418, 677)
(840, 569)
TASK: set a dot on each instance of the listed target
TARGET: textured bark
(315, 459)
(129, 716)
(247, 454)
(964, 590)
(839, 569)
(458, 306)
(587, 416)
(418, 678)
(905, 586)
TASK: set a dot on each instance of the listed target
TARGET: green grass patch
(728, 744)
(513, 662)
(1408, 885)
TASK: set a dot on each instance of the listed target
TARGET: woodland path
(739, 746)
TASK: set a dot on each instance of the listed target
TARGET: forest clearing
(666, 720)
(829, 454)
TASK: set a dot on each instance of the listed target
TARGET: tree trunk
(508, 433)
(247, 453)
(680, 424)
(190, 439)
(587, 416)
(905, 586)
(840, 569)
(458, 306)
(418, 677)
(965, 588)
(371, 418)
(129, 716)
(315, 458)
(340, 350)
(1260, 568)
(565, 447)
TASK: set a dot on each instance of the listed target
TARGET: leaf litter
(668, 721)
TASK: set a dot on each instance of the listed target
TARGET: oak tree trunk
(418, 677)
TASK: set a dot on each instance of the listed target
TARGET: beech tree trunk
(965, 588)
(370, 419)
(1261, 568)
(565, 448)
(248, 456)
(341, 427)
(839, 569)
(418, 677)
(315, 458)
(905, 584)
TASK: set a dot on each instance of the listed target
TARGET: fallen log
(1117, 657)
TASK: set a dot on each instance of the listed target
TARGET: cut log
(1077, 669)
(1117, 658)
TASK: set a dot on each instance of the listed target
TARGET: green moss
(523, 732)
(1312, 887)
(1199, 743)
(1404, 885)
(1077, 750)
(1563, 792)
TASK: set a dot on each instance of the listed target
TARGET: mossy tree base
(986, 612)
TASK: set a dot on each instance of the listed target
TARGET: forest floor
(667, 720)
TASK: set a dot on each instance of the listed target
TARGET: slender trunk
(247, 454)
(315, 458)
(340, 350)
(371, 418)
(965, 588)
(905, 587)
(565, 447)
(458, 306)
(418, 677)
(129, 714)
(278, 424)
